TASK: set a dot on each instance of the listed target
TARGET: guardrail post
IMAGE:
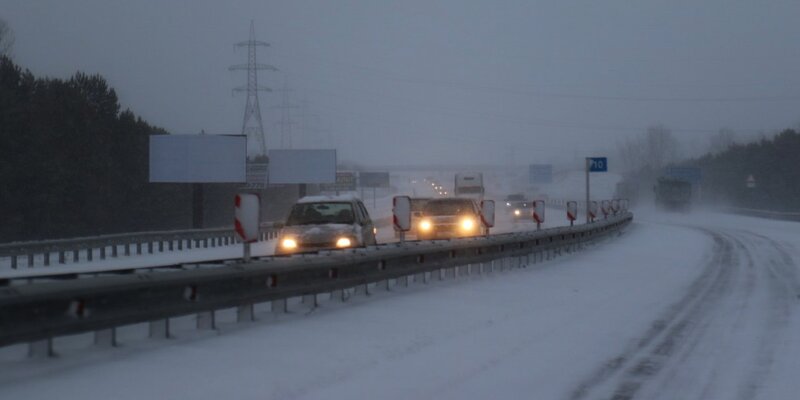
(149, 247)
(279, 306)
(76, 255)
(114, 251)
(362, 288)
(30, 260)
(106, 337)
(189, 243)
(245, 313)
(159, 329)
(205, 243)
(41, 348)
(103, 252)
(338, 295)
(207, 320)
(160, 246)
(171, 245)
(89, 254)
(46, 258)
(127, 249)
(13, 261)
(138, 248)
(310, 300)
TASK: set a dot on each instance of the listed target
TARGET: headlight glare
(343, 242)
(425, 225)
(289, 244)
(467, 224)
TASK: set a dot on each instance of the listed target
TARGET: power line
(392, 76)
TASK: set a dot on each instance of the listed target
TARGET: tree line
(773, 163)
(73, 164)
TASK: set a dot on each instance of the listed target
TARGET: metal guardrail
(76, 249)
(778, 215)
(37, 312)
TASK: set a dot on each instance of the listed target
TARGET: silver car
(326, 222)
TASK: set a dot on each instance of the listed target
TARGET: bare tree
(6, 38)
(661, 146)
(721, 141)
(653, 150)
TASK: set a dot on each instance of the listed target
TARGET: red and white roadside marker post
(615, 206)
(538, 213)
(248, 218)
(592, 208)
(572, 212)
(605, 207)
(487, 214)
(401, 215)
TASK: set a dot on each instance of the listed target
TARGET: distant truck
(673, 194)
(469, 185)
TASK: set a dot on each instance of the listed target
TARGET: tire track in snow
(741, 263)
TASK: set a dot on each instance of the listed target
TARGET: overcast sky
(436, 81)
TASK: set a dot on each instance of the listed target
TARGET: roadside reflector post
(572, 212)
(401, 215)
(247, 220)
(487, 214)
(538, 213)
(592, 210)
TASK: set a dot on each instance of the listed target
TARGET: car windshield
(321, 213)
(448, 207)
(418, 204)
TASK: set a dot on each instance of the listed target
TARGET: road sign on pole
(593, 164)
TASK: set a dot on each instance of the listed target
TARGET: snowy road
(695, 307)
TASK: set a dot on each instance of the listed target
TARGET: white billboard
(198, 158)
(302, 166)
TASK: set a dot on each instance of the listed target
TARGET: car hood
(319, 233)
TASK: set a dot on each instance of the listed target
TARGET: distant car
(446, 218)
(518, 207)
(326, 222)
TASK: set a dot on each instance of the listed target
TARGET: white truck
(469, 185)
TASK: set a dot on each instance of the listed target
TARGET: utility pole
(285, 121)
(252, 126)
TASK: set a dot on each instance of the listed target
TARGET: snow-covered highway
(692, 307)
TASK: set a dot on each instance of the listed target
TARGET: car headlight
(517, 212)
(467, 224)
(508, 204)
(425, 225)
(289, 244)
(343, 242)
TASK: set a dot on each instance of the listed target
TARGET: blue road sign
(540, 173)
(688, 174)
(598, 164)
